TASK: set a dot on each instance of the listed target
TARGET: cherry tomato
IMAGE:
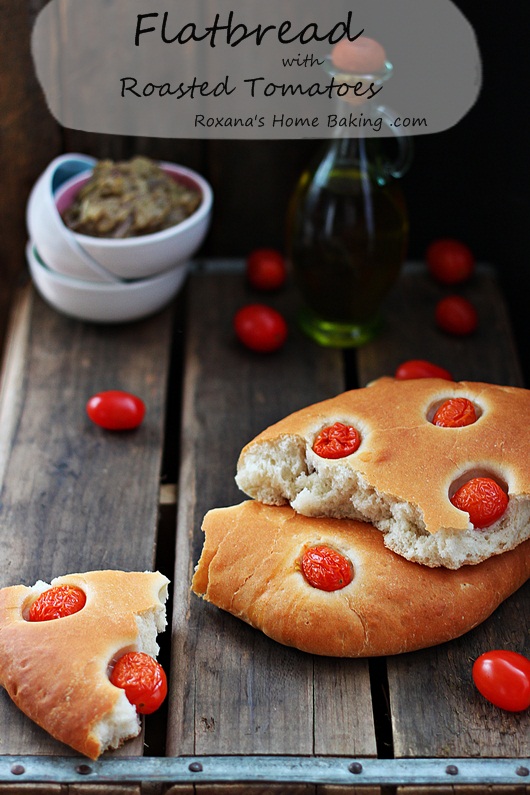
(57, 602)
(503, 677)
(266, 269)
(456, 315)
(260, 328)
(115, 410)
(449, 261)
(143, 679)
(326, 569)
(420, 368)
(455, 413)
(483, 499)
(337, 441)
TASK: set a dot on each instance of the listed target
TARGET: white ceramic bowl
(146, 255)
(108, 259)
(104, 303)
(54, 241)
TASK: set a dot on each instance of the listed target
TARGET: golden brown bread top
(403, 455)
(56, 671)
(250, 567)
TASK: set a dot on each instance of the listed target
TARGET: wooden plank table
(241, 707)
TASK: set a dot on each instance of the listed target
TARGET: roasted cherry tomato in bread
(456, 315)
(326, 569)
(265, 269)
(503, 677)
(337, 441)
(143, 679)
(420, 368)
(57, 602)
(483, 499)
(455, 413)
(450, 261)
(260, 328)
(115, 410)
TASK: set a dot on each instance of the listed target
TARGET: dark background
(469, 182)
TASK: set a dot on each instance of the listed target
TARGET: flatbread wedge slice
(57, 671)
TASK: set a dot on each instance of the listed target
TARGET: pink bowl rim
(200, 213)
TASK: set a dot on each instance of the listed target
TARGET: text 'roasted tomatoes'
(326, 569)
(265, 269)
(115, 410)
(456, 315)
(450, 261)
(260, 328)
(455, 413)
(420, 368)
(337, 441)
(503, 677)
(483, 499)
(57, 602)
(143, 679)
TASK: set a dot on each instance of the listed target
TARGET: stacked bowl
(104, 279)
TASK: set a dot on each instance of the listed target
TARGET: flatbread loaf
(56, 671)
(405, 470)
(250, 567)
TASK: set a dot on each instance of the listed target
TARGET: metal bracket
(271, 769)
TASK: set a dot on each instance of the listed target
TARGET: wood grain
(435, 708)
(411, 333)
(33, 789)
(234, 691)
(463, 790)
(75, 497)
(272, 789)
(30, 138)
(85, 500)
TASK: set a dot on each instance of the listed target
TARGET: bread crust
(250, 567)
(410, 465)
(56, 671)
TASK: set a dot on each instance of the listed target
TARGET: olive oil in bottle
(347, 239)
(347, 225)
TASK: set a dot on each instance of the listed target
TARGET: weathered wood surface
(29, 137)
(449, 193)
(435, 708)
(223, 693)
(234, 691)
(74, 497)
(411, 333)
(85, 499)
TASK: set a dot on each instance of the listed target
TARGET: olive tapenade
(128, 199)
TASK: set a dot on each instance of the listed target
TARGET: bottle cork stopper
(362, 56)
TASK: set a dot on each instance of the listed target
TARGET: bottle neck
(346, 151)
(359, 119)
(361, 127)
